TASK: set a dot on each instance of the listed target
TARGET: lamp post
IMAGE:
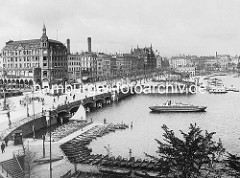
(48, 117)
(4, 90)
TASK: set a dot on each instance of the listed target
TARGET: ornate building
(42, 61)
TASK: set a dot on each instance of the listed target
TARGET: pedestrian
(6, 141)
(74, 97)
(3, 147)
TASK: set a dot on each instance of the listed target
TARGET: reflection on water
(222, 116)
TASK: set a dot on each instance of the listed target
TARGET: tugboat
(170, 106)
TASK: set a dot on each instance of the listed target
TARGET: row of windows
(59, 58)
(31, 52)
(74, 69)
(16, 59)
(74, 63)
(21, 52)
(59, 64)
(27, 65)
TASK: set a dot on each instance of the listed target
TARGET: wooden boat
(137, 163)
(131, 162)
(99, 159)
(115, 171)
(151, 165)
(144, 164)
(124, 162)
(117, 161)
(147, 174)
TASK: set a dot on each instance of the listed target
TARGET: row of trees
(194, 156)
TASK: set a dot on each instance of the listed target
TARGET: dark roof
(29, 44)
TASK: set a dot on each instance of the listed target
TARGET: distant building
(181, 61)
(187, 70)
(223, 61)
(159, 61)
(103, 66)
(74, 67)
(42, 61)
(148, 55)
(89, 67)
(207, 63)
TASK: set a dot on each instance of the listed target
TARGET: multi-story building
(148, 55)
(180, 61)
(223, 61)
(159, 61)
(207, 63)
(103, 66)
(42, 61)
(89, 67)
(74, 67)
(187, 70)
(113, 67)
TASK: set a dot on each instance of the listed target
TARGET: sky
(190, 27)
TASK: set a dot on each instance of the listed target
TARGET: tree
(193, 156)
(233, 162)
(29, 161)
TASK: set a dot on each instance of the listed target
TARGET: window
(44, 64)
(44, 58)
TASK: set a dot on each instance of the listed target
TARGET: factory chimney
(89, 44)
(68, 46)
(216, 54)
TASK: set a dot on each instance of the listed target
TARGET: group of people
(4, 145)
(30, 100)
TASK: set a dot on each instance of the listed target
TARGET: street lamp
(49, 119)
(4, 90)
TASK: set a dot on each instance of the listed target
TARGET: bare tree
(29, 161)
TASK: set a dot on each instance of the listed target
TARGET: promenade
(19, 111)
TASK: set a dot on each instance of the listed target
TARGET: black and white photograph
(120, 88)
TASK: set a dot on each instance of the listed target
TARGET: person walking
(6, 141)
(3, 147)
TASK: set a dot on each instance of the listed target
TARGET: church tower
(44, 38)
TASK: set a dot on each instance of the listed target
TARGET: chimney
(216, 54)
(68, 46)
(89, 44)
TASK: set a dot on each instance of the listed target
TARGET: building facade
(103, 66)
(41, 61)
(191, 71)
(74, 67)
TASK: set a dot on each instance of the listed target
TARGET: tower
(89, 44)
(68, 46)
(44, 38)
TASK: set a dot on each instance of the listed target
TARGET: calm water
(222, 116)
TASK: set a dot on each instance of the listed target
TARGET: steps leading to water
(12, 167)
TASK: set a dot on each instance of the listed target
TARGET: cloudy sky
(199, 27)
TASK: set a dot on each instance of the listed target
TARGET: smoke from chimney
(89, 44)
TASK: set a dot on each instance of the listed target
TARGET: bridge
(38, 121)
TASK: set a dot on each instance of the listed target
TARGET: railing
(16, 124)
(19, 153)
(6, 170)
